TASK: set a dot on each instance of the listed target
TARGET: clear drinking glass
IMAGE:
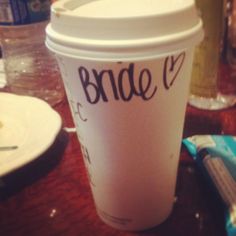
(205, 90)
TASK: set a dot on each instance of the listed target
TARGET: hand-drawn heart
(172, 67)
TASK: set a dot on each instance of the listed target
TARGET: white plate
(26, 122)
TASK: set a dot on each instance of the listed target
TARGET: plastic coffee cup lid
(119, 26)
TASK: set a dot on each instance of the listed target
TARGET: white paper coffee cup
(126, 66)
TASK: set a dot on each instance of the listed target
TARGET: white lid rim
(124, 54)
(193, 35)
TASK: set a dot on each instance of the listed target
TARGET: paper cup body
(128, 103)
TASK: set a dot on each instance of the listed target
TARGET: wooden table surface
(51, 196)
